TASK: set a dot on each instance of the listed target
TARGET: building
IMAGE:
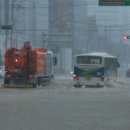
(5, 19)
(60, 36)
(69, 29)
(30, 21)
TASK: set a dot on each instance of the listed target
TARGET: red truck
(29, 67)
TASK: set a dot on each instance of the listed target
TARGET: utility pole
(12, 19)
(105, 39)
(73, 32)
(34, 23)
(0, 15)
(6, 4)
(44, 40)
(88, 42)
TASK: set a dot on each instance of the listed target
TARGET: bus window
(88, 60)
(95, 61)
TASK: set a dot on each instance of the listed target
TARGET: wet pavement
(60, 106)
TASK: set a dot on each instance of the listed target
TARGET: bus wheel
(77, 85)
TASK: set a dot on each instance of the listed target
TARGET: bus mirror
(54, 61)
(118, 65)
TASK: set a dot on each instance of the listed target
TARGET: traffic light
(126, 37)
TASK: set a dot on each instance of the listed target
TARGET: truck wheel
(34, 85)
(6, 81)
(39, 81)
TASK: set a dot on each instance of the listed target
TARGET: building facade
(60, 36)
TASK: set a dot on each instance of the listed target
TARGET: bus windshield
(88, 60)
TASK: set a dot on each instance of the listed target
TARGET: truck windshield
(88, 60)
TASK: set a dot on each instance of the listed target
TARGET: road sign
(114, 2)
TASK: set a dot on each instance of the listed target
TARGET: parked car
(2, 71)
(128, 72)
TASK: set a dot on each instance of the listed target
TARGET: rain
(64, 64)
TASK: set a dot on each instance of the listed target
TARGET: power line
(46, 6)
(80, 29)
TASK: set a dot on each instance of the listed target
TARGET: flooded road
(60, 106)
